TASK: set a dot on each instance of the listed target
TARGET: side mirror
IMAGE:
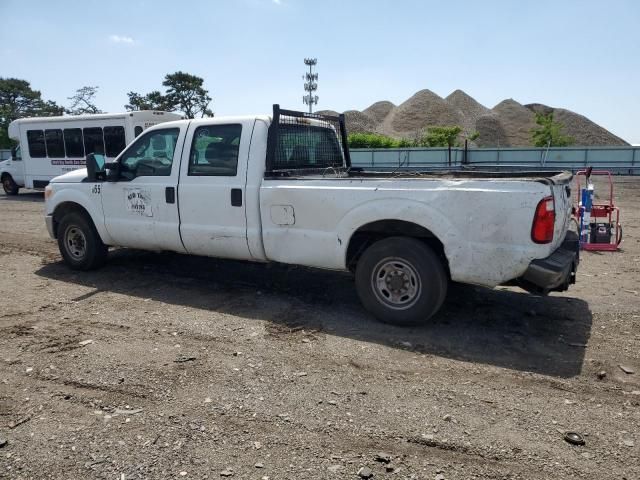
(95, 167)
(113, 171)
(14, 151)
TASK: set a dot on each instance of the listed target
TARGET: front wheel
(9, 186)
(79, 243)
(401, 281)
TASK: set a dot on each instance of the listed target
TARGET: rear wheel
(401, 281)
(9, 186)
(79, 242)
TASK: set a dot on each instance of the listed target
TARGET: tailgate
(561, 190)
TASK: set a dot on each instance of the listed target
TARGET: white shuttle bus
(51, 146)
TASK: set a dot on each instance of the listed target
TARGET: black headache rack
(302, 143)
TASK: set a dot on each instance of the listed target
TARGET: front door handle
(236, 197)
(170, 195)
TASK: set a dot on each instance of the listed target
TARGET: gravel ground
(162, 366)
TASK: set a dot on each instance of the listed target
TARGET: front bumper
(48, 219)
(556, 272)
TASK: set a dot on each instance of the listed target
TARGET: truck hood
(75, 176)
(5, 163)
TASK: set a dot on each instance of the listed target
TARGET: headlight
(48, 191)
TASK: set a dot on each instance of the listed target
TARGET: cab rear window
(307, 146)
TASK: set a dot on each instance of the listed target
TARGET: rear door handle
(170, 195)
(236, 197)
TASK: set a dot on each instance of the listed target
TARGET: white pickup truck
(281, 188)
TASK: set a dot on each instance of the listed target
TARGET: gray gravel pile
(517, 121)
(584, 131)
(423, 109)
(492, 132)
(327, 112)
(470, 108)
(379, 110)
(359, 122)
(508, 124)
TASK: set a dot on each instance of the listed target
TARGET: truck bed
(549, 178)
(556, 177)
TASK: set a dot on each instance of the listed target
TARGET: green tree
(549, 132)
(82, 101)
(441, 137)
(184, 93)
(151, 101)
(18, 100)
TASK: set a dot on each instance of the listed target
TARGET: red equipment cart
(605, 231)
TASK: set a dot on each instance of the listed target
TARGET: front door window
(150, 155)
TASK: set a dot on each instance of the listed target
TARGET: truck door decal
(138, 202)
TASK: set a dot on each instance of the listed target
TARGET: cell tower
(310, 85)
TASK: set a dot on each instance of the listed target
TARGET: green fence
(618, 160)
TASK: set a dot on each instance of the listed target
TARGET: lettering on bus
(69, 161)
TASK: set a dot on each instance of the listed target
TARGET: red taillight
(544, 221)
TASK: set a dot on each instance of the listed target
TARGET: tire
(79, 242)
(10, 187)
(416, 272)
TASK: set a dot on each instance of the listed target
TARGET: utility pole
(310, 85)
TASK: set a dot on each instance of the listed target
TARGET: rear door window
(214, 150)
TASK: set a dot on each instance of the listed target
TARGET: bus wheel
(10, 187)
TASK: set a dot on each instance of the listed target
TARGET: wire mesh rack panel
(303, 143)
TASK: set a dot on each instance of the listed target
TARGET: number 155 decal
(96, 189)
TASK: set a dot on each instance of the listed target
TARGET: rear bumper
(556, 272)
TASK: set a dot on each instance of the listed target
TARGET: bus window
(137, 131)
(93, 140)
(55, 145)
(114, 141)
(73, 142)
(35, 139)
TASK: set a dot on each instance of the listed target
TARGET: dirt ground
(163, 366)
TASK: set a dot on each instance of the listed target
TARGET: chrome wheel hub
(75, 242)
(396, 283)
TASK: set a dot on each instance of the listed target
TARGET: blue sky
(578, 54)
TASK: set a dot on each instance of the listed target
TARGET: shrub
(371, 140)
(441, 137)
